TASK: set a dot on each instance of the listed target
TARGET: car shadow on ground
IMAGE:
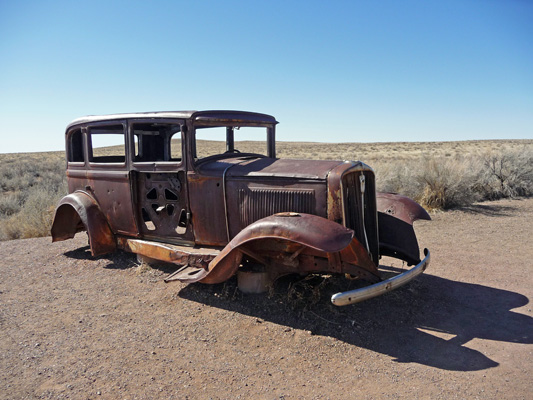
(117, 260)
(81, 253)
(430, 321)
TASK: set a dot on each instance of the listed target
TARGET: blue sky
(339, 71)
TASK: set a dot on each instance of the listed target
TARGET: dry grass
(440, 175)
(31, 184)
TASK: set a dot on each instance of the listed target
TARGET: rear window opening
(75, 146)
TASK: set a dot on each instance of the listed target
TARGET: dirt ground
(77, 327)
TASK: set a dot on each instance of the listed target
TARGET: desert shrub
(10, 204)
(447, 183)
(444, 182)
(507, 174)
(30, 187)
(395, 177)
(34, 217)
(436, 183)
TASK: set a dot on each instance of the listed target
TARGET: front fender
(311, 231)
(396, 215)
(79, 211)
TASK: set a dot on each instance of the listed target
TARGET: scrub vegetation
(31, 184)
(439, 175)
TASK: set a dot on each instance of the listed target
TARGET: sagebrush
(31, 184)
(451, 182)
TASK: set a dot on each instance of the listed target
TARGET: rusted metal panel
(112, 189)
(352, 203)
(206, 200)
(280, 236)
(80, 207)
(76, 179)
(309, 230)
(249, 200)
(359, 199)
(162, 205)
(232, 118)
(334, 190)
(397, 237)
(356, 261)
(198, 257)
(284, 169)
(400, 207)
(142, 116)
(247, 192)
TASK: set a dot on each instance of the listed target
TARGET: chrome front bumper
(377, 289)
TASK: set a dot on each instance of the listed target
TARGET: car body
(168, 191)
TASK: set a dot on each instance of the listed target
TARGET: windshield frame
(230, 140)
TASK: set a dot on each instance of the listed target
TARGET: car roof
(210, 116)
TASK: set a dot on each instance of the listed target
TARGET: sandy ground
(77, 327)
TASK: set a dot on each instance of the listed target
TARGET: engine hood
(269, 167)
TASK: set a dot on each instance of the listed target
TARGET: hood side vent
(261, 203)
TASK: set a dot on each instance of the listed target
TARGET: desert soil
(77, 327)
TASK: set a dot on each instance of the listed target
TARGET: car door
(107, 177)
(159, 181)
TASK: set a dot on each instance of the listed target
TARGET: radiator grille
(260, 203)
(354, 209)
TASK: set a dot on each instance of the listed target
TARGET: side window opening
(75, 146)
(107, 144)
(175, 146)
(210, 141)
(154, 142)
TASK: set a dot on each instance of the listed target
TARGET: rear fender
(310, 232)
(77, 212)
(396, 215)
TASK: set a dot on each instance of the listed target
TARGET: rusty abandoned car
(168, 193)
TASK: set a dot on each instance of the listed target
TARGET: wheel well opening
(66, 224)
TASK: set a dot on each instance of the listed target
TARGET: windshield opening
(228, 141)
